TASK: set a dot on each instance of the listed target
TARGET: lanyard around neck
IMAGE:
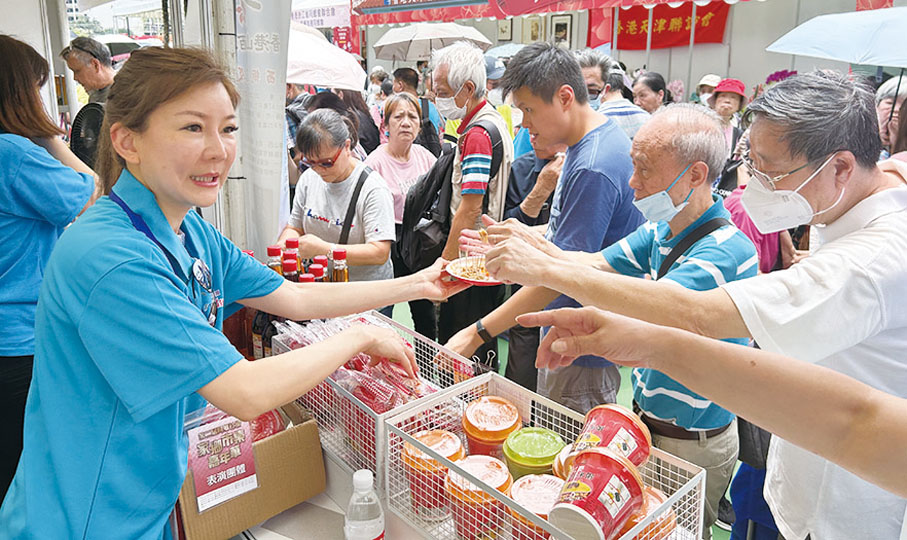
(143, 228)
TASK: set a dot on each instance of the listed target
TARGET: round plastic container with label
(476, 514)
(615, 427)
(488, 421)
(426, 475)
(559, 467)
(600, 494)
(663, 525)
(531, 450)
(536, 493)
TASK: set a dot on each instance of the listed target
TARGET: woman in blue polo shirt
(128, 338)
(43, 186)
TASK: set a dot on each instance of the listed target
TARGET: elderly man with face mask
(812, 159)
(689, 241)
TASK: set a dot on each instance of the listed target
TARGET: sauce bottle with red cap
(274, 259)
(341, 272)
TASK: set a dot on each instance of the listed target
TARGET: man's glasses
(201, 275)
(767, 181)
(593, 93)
(72, 46)
(326, 164)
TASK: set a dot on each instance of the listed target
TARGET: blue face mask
(659, 206)
(595, 103)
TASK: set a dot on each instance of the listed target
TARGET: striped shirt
(627, 115)
(722, 256)
(475, 152)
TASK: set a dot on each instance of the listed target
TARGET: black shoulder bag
(696, 235)
(351, 210)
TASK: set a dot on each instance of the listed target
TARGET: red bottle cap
(292, 243)
(322, 260)
(289, 265)
(288, 256)
(316, 270)
(339, 254)
(273, 251)
(307, 278)
(249, 252)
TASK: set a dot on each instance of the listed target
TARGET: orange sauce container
(476, 514)
(426, 475)
(487, 422)
(661, 527)
(536, 493)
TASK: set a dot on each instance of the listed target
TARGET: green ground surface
(624, 396)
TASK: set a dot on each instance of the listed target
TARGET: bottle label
(257, 350)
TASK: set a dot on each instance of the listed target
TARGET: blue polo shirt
(121, 350)
(724, 255)
(39, 196)
(593, 203)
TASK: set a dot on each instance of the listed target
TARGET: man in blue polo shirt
(676, 156)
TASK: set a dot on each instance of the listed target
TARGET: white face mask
(448, 107)
(659, 206)
(773, 211)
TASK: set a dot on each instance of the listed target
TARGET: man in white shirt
(813, 149)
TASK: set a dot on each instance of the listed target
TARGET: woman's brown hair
(151, 77)
(391, 104)
(22, 72)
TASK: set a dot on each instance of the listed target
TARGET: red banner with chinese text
(863, 5)
(670, 26)
(343, 38)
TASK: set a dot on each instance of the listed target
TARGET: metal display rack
(499, 516)
(351, 431)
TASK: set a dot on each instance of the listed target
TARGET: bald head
(687, 133)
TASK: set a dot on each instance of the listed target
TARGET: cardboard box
(290, 469)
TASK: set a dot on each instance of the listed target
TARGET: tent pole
(690, 52)
(897, 91)
(614, 23)
(649, 39)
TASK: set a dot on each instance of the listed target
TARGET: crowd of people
(694, 233)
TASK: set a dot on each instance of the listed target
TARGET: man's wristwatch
(483, 333)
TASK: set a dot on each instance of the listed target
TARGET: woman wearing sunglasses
(128, 337)
(327, 192)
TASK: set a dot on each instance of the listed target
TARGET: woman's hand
(580, 331)
(434, 283)
(311, 246)
(384, 343)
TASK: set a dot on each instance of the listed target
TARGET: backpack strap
(497, 155)
(423, 103)
(696, 235)
(351, 209)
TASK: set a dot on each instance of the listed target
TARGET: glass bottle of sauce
(274, 260)
(292, 250)
(317, 272)
(341, 272)
(323, 261)
(290, 271)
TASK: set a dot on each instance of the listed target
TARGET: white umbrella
(507, 50)
(312, 60)
(861, 37)
(417, 41)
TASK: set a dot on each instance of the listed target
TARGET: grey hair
(696, 134)
(322, 128)
(86, 48)
(465, 62)
(889, 87)
(588, 58)
(822, 112)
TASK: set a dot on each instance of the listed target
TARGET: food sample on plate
(471, 270)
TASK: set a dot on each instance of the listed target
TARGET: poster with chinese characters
(221, 461)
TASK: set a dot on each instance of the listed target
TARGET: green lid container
(531, 450)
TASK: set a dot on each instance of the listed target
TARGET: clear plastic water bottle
(364, 516)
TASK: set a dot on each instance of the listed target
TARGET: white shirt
(843, 308)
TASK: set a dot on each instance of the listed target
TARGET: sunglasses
(201, 276)
(326, 164)
(83, 49)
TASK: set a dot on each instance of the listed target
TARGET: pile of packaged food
(590, 488)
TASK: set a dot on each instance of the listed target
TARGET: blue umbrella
(873, 37)
(505, 51)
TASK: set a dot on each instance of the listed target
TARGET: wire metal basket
(427, 506)
(351, 431)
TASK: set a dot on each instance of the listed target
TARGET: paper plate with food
(471, 270)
